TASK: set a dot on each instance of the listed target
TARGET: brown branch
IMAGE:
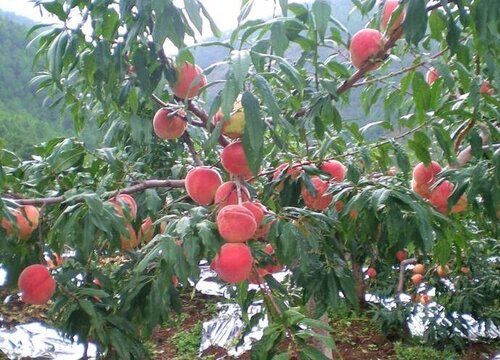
(462, 134)
(402, 268)
(143, 185)
(187, 140)
(202, 115)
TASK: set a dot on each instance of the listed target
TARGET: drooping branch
(402, 268)
(140, 186)
(187, 140)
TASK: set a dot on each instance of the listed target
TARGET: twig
(462, 134)
(187, 140)
(143, 185)
(402, 268)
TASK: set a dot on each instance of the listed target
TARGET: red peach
(257, 278)
(121, 200)
(129, 241)
(27, 218)
(442, 271)
(233, 263)
(425, 299)
(319, 201)
(36, 284)
(201, 184)
(401, 255)
(486, 89)
(461, 205)
(421, 189)
(389, 7)
(168, 124)
(227, 194)
(371, 272)
(426, 174)
(464, 269)
(419, 269)
(234, 126)
(335, 168)
(258, 210)
(417, 279)
(147, 231)
(365, 44)
(234, 160)
(431, 76)
(190, 80)
(439, 196)
(236, 223)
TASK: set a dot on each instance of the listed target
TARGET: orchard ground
(355, 335)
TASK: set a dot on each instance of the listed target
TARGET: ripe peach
(431, 76)
(439, 196)
(461, 205)
(401, 255)
(417, 279)
(293, 171)
(129, 241)
(147, 231)
(168, 124)
(190, 80)
(319, 201)
(259, 211)
(36, 284)
(234, 160)
(464, 269)
(421, 189)
(419, 269)
(335, 168)
(233, 263)
(365, 44)
(389, 7)
(371, 272)
(234, 126)
(486, 89)
(121, 200)
(272, 268)
(27, 218)
(201, 184)
(425, 299)
(426, 174)
(236, 223)
(227, 194)
(442, 271)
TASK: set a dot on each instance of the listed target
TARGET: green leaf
(267, 96)
(279, 40)
(414, 26)
(321, 11)
(253, 136)
(240, 63)
(193, 11)
(56, 8)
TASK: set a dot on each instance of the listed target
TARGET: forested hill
(23, 119)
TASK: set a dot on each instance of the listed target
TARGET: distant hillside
(23, 119)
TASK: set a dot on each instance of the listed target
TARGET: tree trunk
(318, 344)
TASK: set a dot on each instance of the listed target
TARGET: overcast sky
(224, 12)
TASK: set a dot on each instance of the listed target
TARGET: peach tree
(263, 160)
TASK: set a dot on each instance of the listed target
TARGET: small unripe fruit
(442, 271)
(236, 223)
(335, 168)
(401, 255)
(417, 279)
(122, 200)
(319, 201)
(168, 124)
(389, 7)
(431, 76)
(36, 285)
(190, 80)
(227, 194)
(371, 272)
(426, 175)
(419, 269)
(202, 183)
(233, 263)
(234, 160)
(365, 44)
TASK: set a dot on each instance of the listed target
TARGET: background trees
(292, 79)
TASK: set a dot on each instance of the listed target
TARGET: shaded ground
(355, 337)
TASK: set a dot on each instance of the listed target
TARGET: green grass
(404, 352)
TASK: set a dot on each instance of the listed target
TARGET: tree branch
(187, 140)
(402, 268)
(140, 186)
